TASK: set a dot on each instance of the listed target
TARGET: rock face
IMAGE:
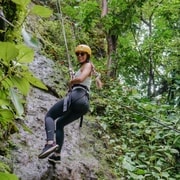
(78, 161)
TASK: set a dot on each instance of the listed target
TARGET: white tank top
(86, 82)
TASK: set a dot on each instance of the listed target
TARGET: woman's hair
(99, 83)
(88, 58)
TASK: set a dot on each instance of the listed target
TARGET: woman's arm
(85, 72)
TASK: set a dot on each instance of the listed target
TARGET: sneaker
(54, 159)
(47, 150)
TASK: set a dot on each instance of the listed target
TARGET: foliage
(4, 167)
(5, 176)
(41, 11)
(139, 143)
(16, 13)
(15, 76)
(134, 128)
(145, 47)
(146, 51)
(15, 80)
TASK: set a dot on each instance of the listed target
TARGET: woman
(70, 108)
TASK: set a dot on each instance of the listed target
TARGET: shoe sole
(48, 152)
(53, 161)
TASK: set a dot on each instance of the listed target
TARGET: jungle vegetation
(135, 45)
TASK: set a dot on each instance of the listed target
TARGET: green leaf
(34, 81)
(6, 116)
(140, 172)
(174, 151)
(128, 165)
(165, 174)
(41, 11)
(8, 52)
(7, 83)
(4, 168)
(22, 84)
(16, 101)
(26, 55)
(177, 141)
(3, 94)
(6, 176)
(134, 176)
(4, 102)
(157, 168)
(21, 2)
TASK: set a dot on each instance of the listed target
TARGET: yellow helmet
(83, 48)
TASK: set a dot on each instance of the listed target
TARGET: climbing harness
(67, 99)
(71, 71)
(86, 93)
(68, 102)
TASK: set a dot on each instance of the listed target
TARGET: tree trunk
(151, 83)
(104, 8)
(112, 42)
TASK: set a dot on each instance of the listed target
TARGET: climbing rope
(65, 39)
(149, 118)
(71, 71)
(4, 19)
(152, 119)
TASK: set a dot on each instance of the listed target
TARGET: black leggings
(79, 105)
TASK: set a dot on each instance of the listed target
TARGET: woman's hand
(85, 72)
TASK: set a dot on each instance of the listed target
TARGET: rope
(153, 119)
(4, 19)
(65, 39)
